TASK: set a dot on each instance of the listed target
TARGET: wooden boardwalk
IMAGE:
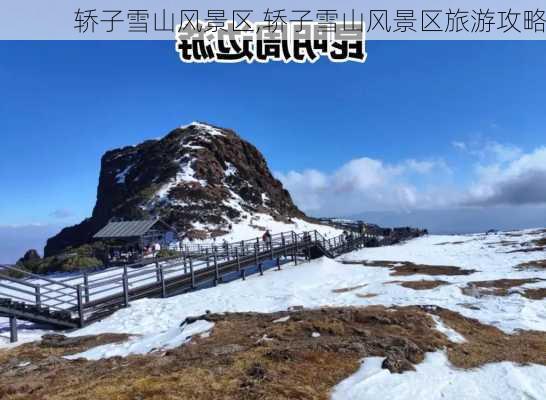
(83, 298)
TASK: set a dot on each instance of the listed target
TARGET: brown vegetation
(422, 284)
(348, 289)
(405, 268)
(533, 265)
(486, 344)
(535, 294)
(366, 295)
(503, 287)
(247, 356)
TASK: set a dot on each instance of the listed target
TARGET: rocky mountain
(199, 178)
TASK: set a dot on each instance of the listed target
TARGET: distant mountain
(198, 178)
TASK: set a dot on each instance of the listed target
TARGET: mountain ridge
(199, 178)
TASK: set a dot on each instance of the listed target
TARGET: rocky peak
(198, 178)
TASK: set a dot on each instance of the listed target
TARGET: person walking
(267, 239)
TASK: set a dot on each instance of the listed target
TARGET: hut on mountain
(130, 241)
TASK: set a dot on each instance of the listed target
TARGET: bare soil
(535, 294)
(366, 295)
(503, 287)
(532, 265)
(532, 246)
(527, 250)
(406, 268)
(349, 289)
(422, 284)
(234, 363)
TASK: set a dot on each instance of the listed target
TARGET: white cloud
(511, 181)
(459, 145)
(504, 175)
(362, 184)
(488, 150)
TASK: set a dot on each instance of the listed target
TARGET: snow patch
(169, 339)
(120, 177)
(435, 378)
(208, 129)
(451, 334)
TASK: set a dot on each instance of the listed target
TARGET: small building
(130, 241)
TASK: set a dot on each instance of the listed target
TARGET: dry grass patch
(406, 268)
(56, 346)
(486, 344)
(366, 295)
(348, 289)
(535, 294)
(422, 284)
(236, 363)
(499, 287)
(532, 265)
(527, 250)
(532, 246)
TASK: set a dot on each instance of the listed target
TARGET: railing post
(243, 247)
(125, 290)
(157, 276)
(86, 287)
(185, 265)
(80, 304)
(278, 263)
(256, 256)
(208, 261)
(295, 248)
(162, 280)
(238, 260)
(216, 273)
(261, 268)
(243, 274)
(283, 244)
(192, 274)
(12, 329)
(37, 296)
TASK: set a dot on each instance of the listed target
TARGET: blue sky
(457, 106)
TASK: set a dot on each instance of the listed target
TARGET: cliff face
(199, 178)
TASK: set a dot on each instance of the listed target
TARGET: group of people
(152, 249)
(347, 236)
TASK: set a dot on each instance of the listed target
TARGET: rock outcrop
(198, 178)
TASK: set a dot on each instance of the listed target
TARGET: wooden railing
(85, 297)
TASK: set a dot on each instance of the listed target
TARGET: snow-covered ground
(436, 379)
(256, 223)
(154, 322)
(110, 279)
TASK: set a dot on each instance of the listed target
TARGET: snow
(186, 174)
(155, 323)
(283, 319)
(165, 340)
(255, 224)
(436, 379)
(451, 334)
(230, 170)
(208, 129)
(120, 176)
